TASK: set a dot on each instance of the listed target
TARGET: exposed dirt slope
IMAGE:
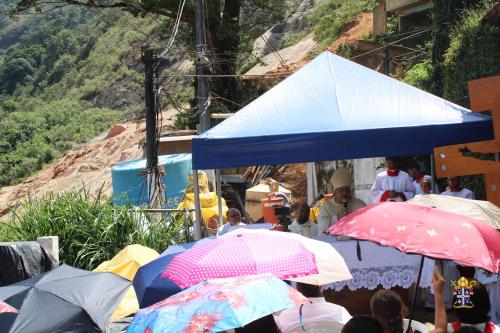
(88, 166)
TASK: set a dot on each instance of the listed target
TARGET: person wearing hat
(342, 202)
(392, 184)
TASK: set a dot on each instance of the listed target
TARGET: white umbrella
(478, 209)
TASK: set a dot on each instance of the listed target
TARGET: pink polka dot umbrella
(248, 252)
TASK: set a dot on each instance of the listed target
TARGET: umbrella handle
(301, 317)
(358, 250)
(415, 295)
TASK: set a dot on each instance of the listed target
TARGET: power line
(175, 29)
(230, 75)
(391, 43)
(225, 99)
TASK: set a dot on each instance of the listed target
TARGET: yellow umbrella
(125, 264)
(478, 209)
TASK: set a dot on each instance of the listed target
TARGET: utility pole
(150, 61)
(202, 99)
(201, 62)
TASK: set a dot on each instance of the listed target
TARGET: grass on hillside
(330, 17)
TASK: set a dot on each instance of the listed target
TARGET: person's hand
(437, 281)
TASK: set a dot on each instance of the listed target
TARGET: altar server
(392, 184)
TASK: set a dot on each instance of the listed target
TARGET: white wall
(365, 171)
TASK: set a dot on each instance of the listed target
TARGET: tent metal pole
(218, 185)
(312, 184)
(433, 176)
(197, 207)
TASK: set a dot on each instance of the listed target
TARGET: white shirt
(463, 193)
(400, 183)
(417, 184)
(308, 229)
(319, 309)
(227, 228)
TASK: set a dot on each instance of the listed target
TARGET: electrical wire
(175, 29)
(391, 43)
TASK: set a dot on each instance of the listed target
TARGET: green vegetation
(464, 49)
(474, 53)
(64, 82)
(420, 75)
(330, 17)
(89, 230)
(28, 140)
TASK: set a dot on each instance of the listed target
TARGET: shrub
(420, 75)
(89, 231)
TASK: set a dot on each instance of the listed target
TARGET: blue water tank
(130, 184)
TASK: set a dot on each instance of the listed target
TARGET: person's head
(233, 216)
(467, 329)
(342, 183)
(478, 314)
(309, 290)
(425, 185)
(262, 325)
(454, 183)
(388, 308)
(414, 170)
(302, 212)
(393, 163)
(362, 324)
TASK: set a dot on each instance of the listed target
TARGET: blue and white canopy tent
(334, 109)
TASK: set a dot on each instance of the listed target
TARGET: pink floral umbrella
(425, 230)
(241, 253)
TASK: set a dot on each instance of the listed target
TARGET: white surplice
(463, 193)
(402, 182)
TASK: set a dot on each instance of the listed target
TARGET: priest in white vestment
(392, 184)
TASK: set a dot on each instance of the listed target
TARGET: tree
(14, 72)
(222, 22)
(445, 15)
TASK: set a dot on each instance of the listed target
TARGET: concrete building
(409, 12)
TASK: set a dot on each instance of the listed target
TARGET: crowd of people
(388, 313)
(387, 309)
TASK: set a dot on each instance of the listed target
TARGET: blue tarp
(335, 109)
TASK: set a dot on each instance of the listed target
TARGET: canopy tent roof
(335, 109)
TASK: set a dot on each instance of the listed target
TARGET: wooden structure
(462, 159)
(175, 144)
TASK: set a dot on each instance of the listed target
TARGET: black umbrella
(65, 299)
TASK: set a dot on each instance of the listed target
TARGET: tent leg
(218, 186)
(197, 207)
(415, 294)
(433, 176)
(312, 185)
